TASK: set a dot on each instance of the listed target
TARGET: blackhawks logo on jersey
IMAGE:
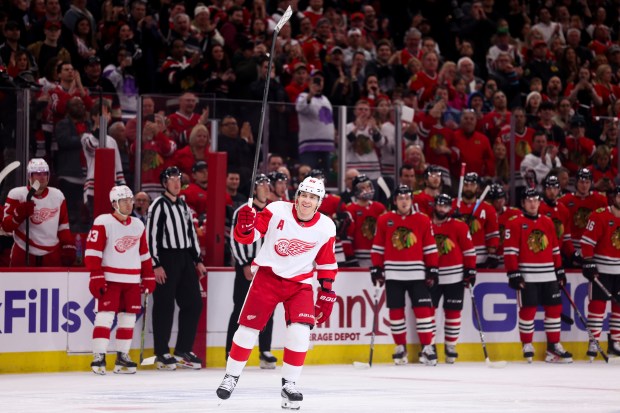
(363, 145)
(537, 241)
(403, 238)
(522, 148)
(581, 217)
(369, 226)
(474, 224)
(559, 228)
(437, 141)
(615, 239)
(444, 244)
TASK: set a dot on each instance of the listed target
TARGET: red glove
(67, 255)
(23, 211)
(323, 307)
(97, 284)
(148, 283)
(245, 219)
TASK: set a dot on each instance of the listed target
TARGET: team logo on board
(292, 247)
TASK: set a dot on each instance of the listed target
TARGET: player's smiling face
(306, 204)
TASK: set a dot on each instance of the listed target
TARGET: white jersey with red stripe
(49, 224)
(293, 249)
(118, 248)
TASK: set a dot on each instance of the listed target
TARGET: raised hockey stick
(146, 310)
(360, 364)
(606, 291)
(33, 189)
(492, 364)
(285, 17)
(459, 196)
(481, 199)
(590, 334)
(8, 169)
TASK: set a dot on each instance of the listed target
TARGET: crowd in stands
(480, 74)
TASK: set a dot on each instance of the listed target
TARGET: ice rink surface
(462, 387)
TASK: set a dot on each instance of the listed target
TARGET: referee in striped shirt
(176, 258)
(244, 255)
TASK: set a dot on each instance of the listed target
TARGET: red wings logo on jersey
(126, 243)
(293, 247)
(41, 215)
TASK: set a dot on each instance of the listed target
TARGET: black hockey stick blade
(567, 319)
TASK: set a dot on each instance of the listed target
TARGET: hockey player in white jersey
(39, 221)
(119, 262)
(297, 241)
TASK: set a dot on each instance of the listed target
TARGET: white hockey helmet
(313, 186)
(120, 192)
(37, 165)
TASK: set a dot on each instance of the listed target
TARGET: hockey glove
(515, 280)
(148, 283)
(469, 277)
(589, 270)
(492, 261)
(432, 276)
(377, 276)
(67, 255)
(245, 219)
(23, 211)
(97, 284)
(561, 276)
(323, 307)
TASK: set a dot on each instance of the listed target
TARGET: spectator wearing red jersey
(603, 171)
(197, 150)
(579, 149)
(423, 82)
(473, 147)
(181, 122)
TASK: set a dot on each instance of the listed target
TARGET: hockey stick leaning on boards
(360, 364)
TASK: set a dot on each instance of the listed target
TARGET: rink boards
(49, 327)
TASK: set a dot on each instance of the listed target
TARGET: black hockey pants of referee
(181, 285)
(242, 285)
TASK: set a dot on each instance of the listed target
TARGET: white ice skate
(428, 355)
(592, 351)
(124, 365)
(451, 354)
(290, 395)
(267, 360)
(98, 363)
(227, 386)
(400, 355)
(166, 362)
(557, 354)
(528, 352)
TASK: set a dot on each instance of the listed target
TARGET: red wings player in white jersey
(457, 268)
(297, 241)
(404, 255)
(600, 247)
(50, 242)
(119, 262)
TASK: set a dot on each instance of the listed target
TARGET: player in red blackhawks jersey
(424, 200)
(404, 256)
(364, 213)
(561, 219)
(297, 242)
(581, 204)
(497, 197)
(534, 268)
(457, 269)
(482, 226)
(600, 247)
(119, 262)
(50, 242)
